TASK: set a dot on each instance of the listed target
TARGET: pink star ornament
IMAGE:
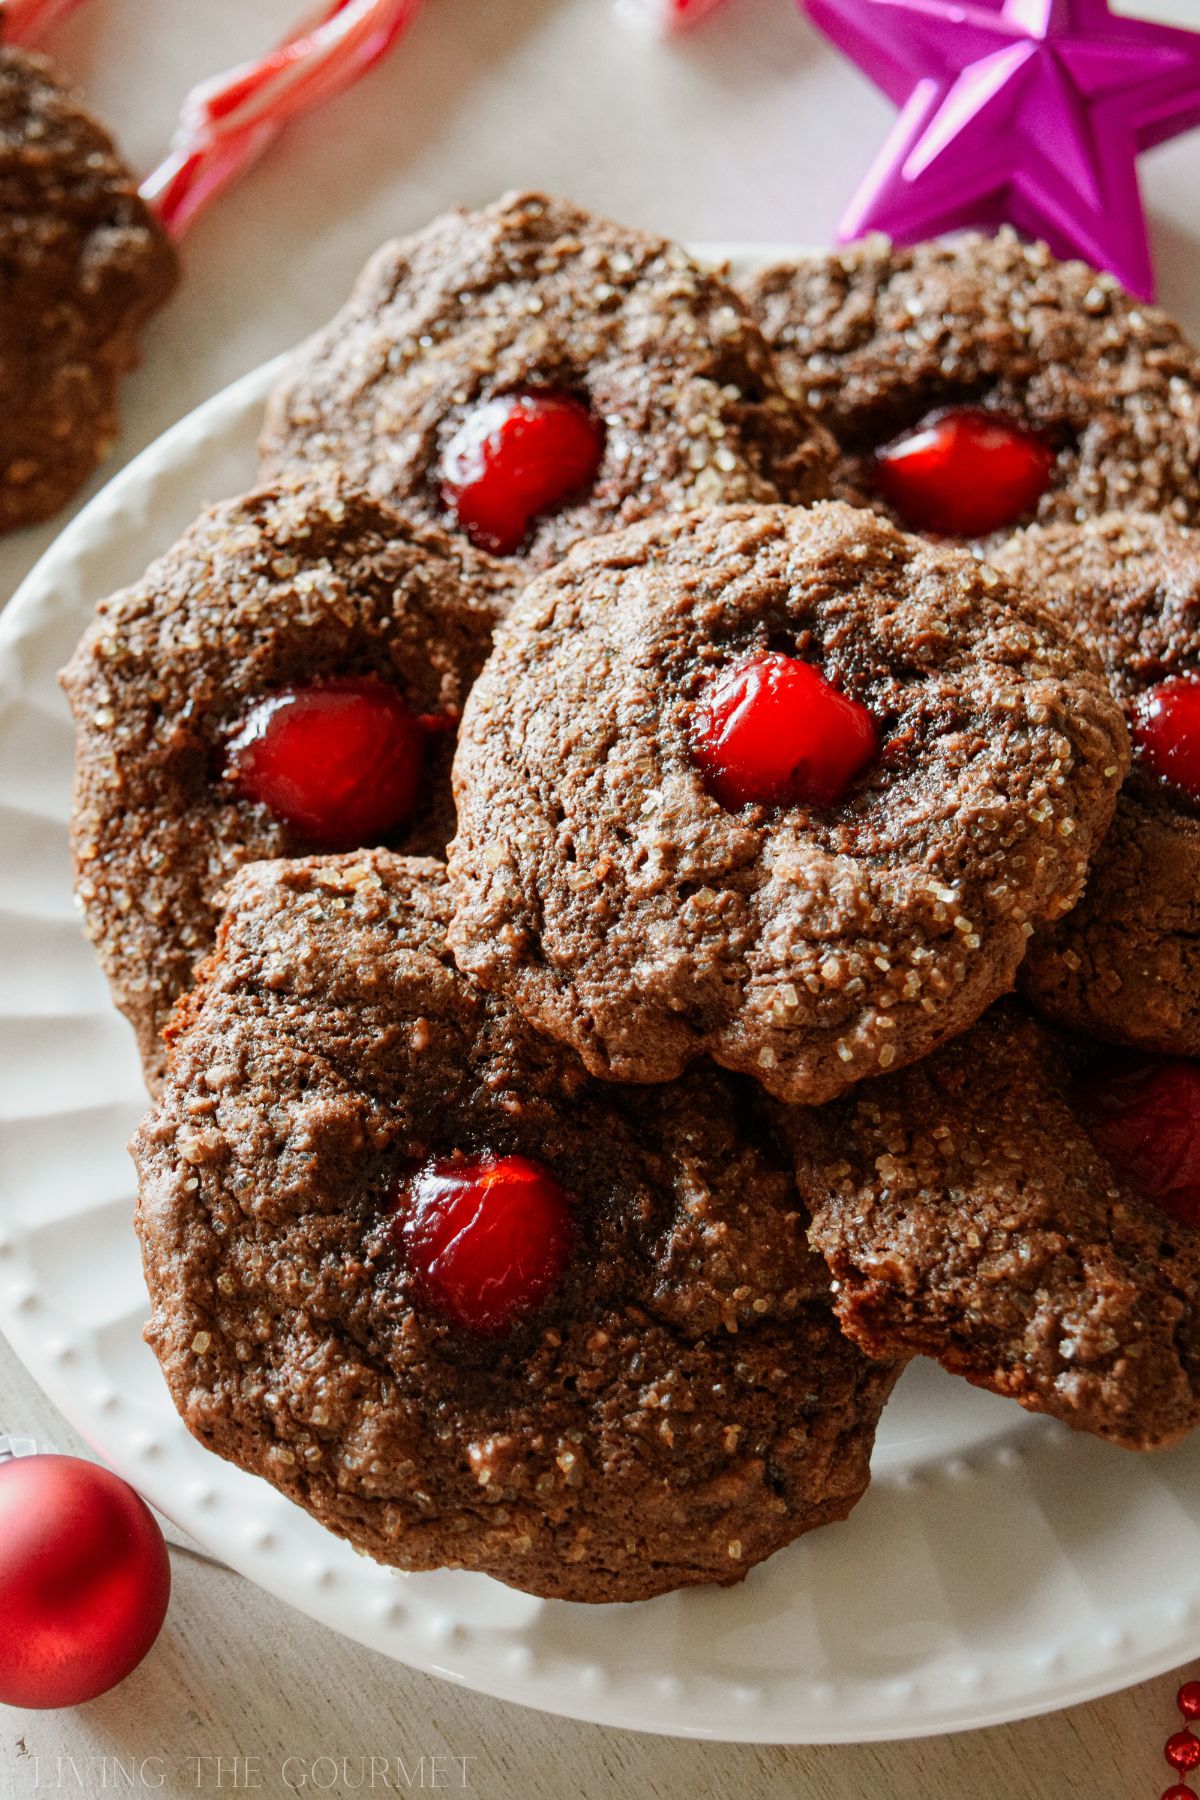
(1031, 112)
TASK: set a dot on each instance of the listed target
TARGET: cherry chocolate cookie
(787, 788)
(1125, 964)
(1025, 1209)
(529, 375)
(83, 264)
(467, 1306)
(288, 677)
(979, 385)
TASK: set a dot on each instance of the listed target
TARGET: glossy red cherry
(487, 1238)
(964, 472)
(341, 762)
(84, 1581)
(1144, 1117)
(776, 732)
(514, 458)
(1166, 733)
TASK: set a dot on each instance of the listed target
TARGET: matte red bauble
(84, 1581)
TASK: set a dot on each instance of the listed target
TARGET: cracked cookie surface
(875, 337)
(967, 1215)
(533, 294)
(677, 1407)
(1125, 963)
(83, 264)
(282, 587)
(602, 888)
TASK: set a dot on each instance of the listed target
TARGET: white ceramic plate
(999, 1566)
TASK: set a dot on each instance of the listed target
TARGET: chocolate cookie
(535, 375)
(968, 1212)
(1125, 964)
(787, 788)
(83, 264)
(878, 337)
(288, 677)
(465, 1305)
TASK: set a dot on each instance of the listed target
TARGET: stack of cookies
(653, 867)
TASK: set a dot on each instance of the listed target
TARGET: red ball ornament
(1188, 1699)
(84, 1581)
(1183, 1751)
(1178, 1791)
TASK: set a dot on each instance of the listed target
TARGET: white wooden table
(732, 134)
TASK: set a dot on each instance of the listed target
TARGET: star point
(1032, 112)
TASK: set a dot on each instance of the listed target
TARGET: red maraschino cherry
(486, 1238)
(774, 731)
(964, 472)
(1166, 733)
(513, 459)
(340, 761)
(1143, 1115)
